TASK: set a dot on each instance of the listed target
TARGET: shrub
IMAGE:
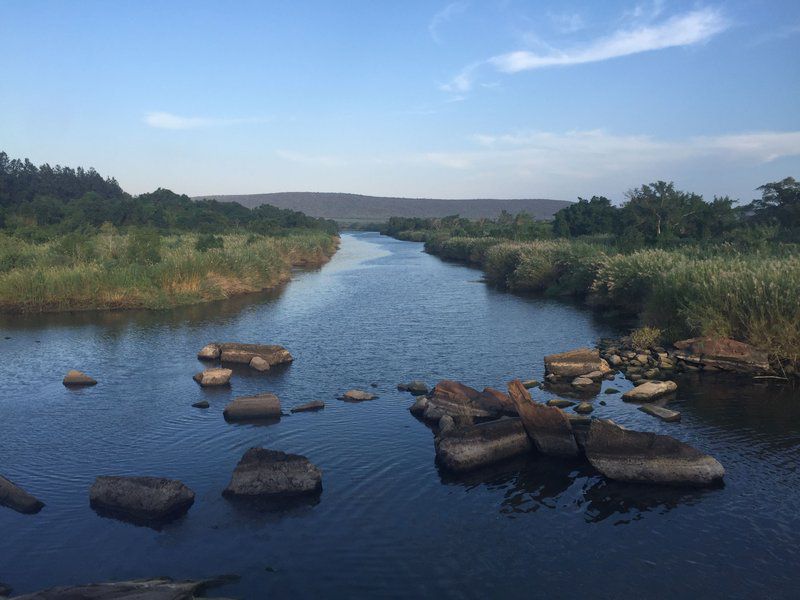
(207, 241)
(645, 337)
(144, 247)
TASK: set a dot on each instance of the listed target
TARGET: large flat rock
(645, 457)
(263, 473)
(140, 499)
(244, 353)
(572, 364)
(650, 390)
(260, 406)
(723, 353)
(458, 400)
(547, 426)
(15, 498)
(466, 448)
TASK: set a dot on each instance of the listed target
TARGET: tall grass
(99, 272)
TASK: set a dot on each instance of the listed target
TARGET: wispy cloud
(165, 120)
(443, 16)
(686, 29)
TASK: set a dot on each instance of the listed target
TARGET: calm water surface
(388, 523)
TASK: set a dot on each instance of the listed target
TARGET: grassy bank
(110, 270)
(751, 296)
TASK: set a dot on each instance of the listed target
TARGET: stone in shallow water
(575, 363)
(201, 404)
(584, 408)
(560, 403)
(75, 378)
(649, 391)
(213, 377)
(260, 406)
(271, 473)
(15, 498)
(259, 364)
(209, 352)
(357, 396)
(244, 353)
(530, 383)
(140, 499)
(582, 382)
(416, 387)
(309, 406)
(547, 426)
(458, 400)
(466, 448)
(644, 457)
(665, 414)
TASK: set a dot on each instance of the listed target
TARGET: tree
(585, 217)
(661, 211)
(779, 203)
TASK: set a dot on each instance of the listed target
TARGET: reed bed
(102, 272)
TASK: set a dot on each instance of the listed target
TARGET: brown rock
(665, 414)
(260, 406)
(584, 408)
(77, 379)
(244, 353)
(568, 365)
(209, 352)
(259, 364)
(723, 353)
(473, 446)
(456, 399)
(213, 377)
(270, 473)
(15, 498)
(357, 396)
(650, 390)
(309, 406)
(547, 426)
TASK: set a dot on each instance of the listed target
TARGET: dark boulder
(78, 379)
(143, 500)
(15, 498)
(260, 406)
(465, 448)
(309, 406)
(416, 387)
(547, 426)
(271, 473)
(161, 588)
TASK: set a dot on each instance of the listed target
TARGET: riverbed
(388, 522)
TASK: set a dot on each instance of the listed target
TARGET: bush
(144, 247)
(645, 337)
(207, 241)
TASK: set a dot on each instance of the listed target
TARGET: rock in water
(416, 387)
(259, 364)
(582, 382)
(723, 353)
(161, 588)
(559, 402)
(649, 390)
(474, 446)
(357, 396)
(547, 426)
(270, 473)
(244, 353)
(212, 377)
(77, 379)
(530, 383)
(641, 457)
(568, 365)
(459, 400)
(140, 499)
(584, 408)
(201, 404)
(309, 406)
(665, 414)
(260, 406)
(14, 497)
(209, 352)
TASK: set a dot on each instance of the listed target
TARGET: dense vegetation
(71, 239)
(684, 265)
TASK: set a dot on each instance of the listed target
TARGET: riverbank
(686, 292)
(128, 271)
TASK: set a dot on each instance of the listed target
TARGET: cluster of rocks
(476, 429)
(709, 355)
(261, 357)
(581, 371)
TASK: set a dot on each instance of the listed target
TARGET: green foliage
(207, 241)
(143, 247)
(644, 338)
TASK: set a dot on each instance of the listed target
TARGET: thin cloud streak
(444, 16)
(165, 120)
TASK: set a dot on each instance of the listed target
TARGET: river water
(388, 523)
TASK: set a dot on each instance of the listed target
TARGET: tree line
(654, 214)
(40, 202)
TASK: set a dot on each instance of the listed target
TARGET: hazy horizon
(451, 100)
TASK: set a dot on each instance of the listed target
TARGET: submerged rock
(530, 383)
(560, 403)
(271, 473)
(416, 387)
(209, 352)
(357, 396)
(75, 378)
(260, 406)
(474, 446)
(15, 498)
(245, 353)
(582, 382)
(140, 499)
(259, 364)
(584, 408)
(611, 390)
(723, 354)
(161, 588)
(665, 414)
(213, 377)
(568, 365)
(642, 457)
(201, 404)
(547, 426)
(309, 406)
(649, 390)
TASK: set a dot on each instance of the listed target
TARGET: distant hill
(355, 207)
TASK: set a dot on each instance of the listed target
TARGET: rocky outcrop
(650, 390)
(161, 588)
(75, 378)
(641, 457)
(263, 473)
(665, 414)
(459, 400)
(209, 352)
(142, 500)
(357, 396)
(244, 353)
(260, 406)
(575, 363)
(15, 498)
(722, 354)
(462, 449)
(547, 426)
(309, 406)
(416, 387)
(213, 377)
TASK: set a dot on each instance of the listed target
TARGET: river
(388, 523)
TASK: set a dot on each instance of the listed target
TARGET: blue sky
(441, 99)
